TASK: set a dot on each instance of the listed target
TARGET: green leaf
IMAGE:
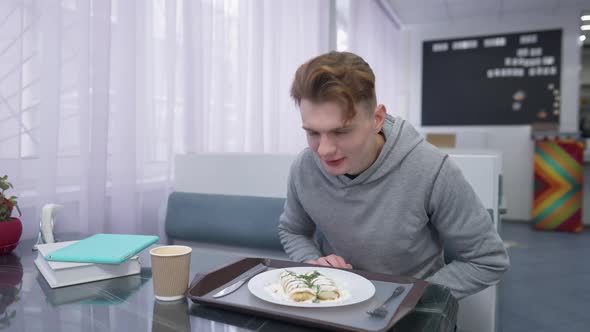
(4, 184)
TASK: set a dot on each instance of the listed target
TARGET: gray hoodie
(395, 216)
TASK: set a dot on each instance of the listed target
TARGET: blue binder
(103, 248)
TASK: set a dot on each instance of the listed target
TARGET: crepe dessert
(326, 287)
(312, 286)
(297, 289)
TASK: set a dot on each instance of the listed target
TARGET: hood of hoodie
(400, 140)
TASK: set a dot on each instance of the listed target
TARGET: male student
(383, 198)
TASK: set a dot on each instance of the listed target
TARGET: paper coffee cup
(170, 271)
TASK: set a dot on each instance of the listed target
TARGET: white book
(59, 274)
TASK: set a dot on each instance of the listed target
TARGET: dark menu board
(507, 79)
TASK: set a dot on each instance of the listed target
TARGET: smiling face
(344, 147)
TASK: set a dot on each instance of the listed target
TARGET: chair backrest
(242, 221)
(266, 175)
(229, 201)
(482, 171)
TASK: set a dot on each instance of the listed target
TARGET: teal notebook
(103, 249)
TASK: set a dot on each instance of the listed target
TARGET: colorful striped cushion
(558, 185)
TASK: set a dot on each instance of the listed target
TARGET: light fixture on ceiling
(585, 18)
(585, 27)
(582, 38)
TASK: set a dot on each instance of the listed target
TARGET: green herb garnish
(308, 279)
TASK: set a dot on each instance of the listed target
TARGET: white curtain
(96, 97)
(374, 32)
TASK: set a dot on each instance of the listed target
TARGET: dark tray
(204, 285)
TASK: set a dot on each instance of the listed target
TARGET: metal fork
(382, 311)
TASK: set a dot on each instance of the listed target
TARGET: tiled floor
(548, 285)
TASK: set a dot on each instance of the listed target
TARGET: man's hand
(332, 260)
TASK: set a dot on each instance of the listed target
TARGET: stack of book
(99, 257)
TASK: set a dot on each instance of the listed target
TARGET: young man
(382, 198)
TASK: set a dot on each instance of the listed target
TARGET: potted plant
(10, 228)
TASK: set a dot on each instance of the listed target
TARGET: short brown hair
(341, 77)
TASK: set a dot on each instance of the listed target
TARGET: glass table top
(27, 303)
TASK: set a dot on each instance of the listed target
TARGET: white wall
(513, 141)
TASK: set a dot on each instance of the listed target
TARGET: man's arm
(296, 228)
(465, 226)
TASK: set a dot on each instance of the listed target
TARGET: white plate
(355, 289)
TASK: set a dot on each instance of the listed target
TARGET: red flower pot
(10, 232)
